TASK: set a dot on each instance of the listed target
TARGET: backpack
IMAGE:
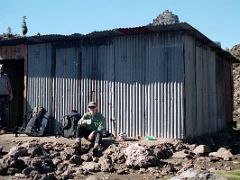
(37, 124)
(69, 124)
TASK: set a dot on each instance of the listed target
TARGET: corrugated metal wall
(137, 80)
(164, 86)
(97, 79)
(39, 87)
(130, 89)
(66, 84)
(204, 89)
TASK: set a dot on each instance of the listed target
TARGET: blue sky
(217, 19)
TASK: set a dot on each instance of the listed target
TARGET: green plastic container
(150, 138)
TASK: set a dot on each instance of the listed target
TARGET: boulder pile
(167, 17)
(54, 160)
(236, 81)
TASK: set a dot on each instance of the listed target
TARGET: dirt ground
(8, 140)
(231, 141)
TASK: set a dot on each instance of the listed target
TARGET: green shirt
(97, 121)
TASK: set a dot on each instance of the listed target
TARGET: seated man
(91, 126)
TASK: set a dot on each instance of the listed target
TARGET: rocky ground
(60, 158)
(236, 79)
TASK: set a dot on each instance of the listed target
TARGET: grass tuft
(232, 175)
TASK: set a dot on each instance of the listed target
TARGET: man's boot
(78, 146)
(95, 149)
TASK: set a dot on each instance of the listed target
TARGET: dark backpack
(69, 124)
(37, 124)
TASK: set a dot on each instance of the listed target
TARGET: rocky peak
(167, 17)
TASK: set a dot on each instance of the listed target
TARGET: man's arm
(101, 125)
(83, 119)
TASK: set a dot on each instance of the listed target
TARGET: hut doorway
(15, 71)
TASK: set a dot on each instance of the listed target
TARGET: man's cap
(92, 104)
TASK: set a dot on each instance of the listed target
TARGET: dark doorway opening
(15, 71)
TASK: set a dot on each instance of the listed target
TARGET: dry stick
(114, 128)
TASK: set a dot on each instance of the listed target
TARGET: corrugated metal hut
(167, 81)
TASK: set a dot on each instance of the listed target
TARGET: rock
(202, 149)
(47, 166)
(191, 147)
(152, 170)
(65, 156)
(3, 171)
(34, 174)
(222, 153)
(75, 159)
(213, 159)
(123, 171)
(157, 175)
(165, 18)
(179, 146)
(62, 167)
(54, 154)
(138, 156)
(90, 166)
(235, 51)
(120, 159)
(228, 168)
(201, 158)
(27, 171)
(17, 151)
(57, 161)
(1, 149)
(86, 157)
(180, 154)
(92, 178)
(58, 172)
(36, 163)
(19, 175)
(171, 169)
(58, 147)
(164, 151)
(11, 171)
(142, 171)
(36, 151)
(105, 178)
(17, 163)
(105, 164)
(185, 167)
(68, 174)
(193, 174)
(48, 146)
(212, 169)
(85, 172)
(70, 150)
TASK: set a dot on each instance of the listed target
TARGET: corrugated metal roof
(39, 39)
(184, 27)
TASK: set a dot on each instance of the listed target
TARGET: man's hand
(90, 137)
(84, 121)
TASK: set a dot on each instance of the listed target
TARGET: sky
(219, 20)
